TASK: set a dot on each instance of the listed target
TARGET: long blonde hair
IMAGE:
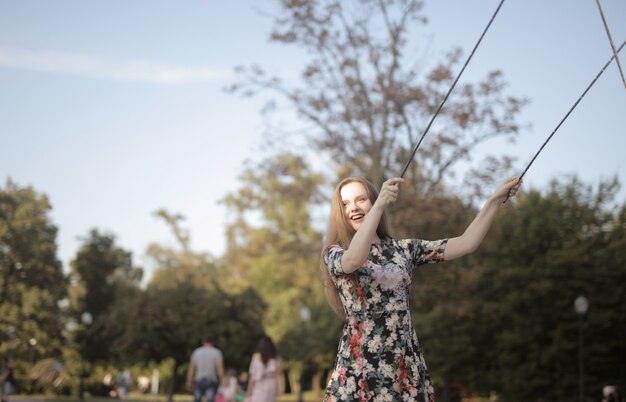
(340, 232)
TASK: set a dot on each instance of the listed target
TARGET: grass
(137, 397)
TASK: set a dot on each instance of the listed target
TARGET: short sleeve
(332, 258)
(427, 251)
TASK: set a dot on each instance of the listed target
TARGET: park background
(156, 185)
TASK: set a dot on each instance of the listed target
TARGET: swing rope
(408, 162)
(608, 33)
(569, 112)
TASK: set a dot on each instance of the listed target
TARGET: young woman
(367, 281)
(264, 371)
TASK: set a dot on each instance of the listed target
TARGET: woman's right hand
(389, 192)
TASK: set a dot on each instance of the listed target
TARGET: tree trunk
(172, 386)
(446, 390)
(294, 381)
(281, 382)
(316, 381)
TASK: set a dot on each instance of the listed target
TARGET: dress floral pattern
(379, 356)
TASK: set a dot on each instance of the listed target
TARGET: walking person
(207, 364)
(263, 373)
(124, 382)
(367, 276)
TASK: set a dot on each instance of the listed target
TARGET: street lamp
(581, 305)
(86, 318)
(32, 342)
(305, 316)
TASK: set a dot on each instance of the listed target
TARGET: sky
(116, 109)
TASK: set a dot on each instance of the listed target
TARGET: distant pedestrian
(242, 386)
(228, 386)
(8, 379)
(124, 381)
(143, 384)
(208, 365)
(264, 371)
(610, 394)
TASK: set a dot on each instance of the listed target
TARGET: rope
(569, 112)
(608, 33)
(408, 162)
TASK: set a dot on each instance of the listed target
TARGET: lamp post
(86, 318)
(305, 316)
(32, 342)
(581, 305)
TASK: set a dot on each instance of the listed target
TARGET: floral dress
(379, 356)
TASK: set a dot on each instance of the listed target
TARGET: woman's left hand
(508, 189)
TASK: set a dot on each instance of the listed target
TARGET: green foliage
(180, 265)
(31, 281)
(273, 246)
(104, 273)
(170, 323)
(183, 302)
(313, 341)
(279, 253)
(542, 254)
(503, 319)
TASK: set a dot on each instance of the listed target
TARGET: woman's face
(356, 203)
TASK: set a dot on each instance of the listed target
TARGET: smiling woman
(356, 202)
(367, 281)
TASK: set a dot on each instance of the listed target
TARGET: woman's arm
(469, 241)
(359, 247)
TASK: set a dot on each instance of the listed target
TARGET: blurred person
(367, 278)
(109, 384)
(8, 379)
(228, 386)
(263, 372)
(610, 394)
(124, 382)
(242, 386)
(143, 384)
(207, 363)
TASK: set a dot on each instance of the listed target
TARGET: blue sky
(115, 109)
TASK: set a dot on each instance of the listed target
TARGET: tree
(185, 301)
(310, 347)
(168, 323)
(181, 265)
(273, 246)
(103, 272)
(545, 252)
(32, 282)
(279, 254)
(365, 103)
